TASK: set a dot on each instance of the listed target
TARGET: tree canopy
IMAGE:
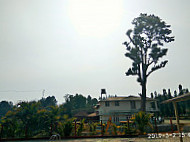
(145, 48)
(43, 117)
(5, 107)
(76, 103)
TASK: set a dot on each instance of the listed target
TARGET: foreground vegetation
(44, 117)
(26, 120)
(41, 118)
(37, 119)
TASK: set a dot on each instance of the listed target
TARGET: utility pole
(43, 92)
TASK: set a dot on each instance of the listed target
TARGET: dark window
(158, 105)
(153, 105)
(117, 119)
(128, 117)
(133, 105)
(116, 103)
(107, 104)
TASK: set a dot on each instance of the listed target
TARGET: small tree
(142, 121)
(80, 128)
(92, 127)
(144, 48)
(68, 126)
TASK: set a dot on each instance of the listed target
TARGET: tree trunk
(26, 131)
(51, 129)
(1, 132)
(143, 97)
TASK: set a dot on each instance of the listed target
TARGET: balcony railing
(112, 112)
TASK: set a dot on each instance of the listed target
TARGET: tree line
(41, 118)
(167, 110)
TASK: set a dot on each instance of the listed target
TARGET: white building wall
(119, 113)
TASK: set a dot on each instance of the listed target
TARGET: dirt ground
(185, 122)
(176, 139)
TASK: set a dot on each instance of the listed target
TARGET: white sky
(75, 46)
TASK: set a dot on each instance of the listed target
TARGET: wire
(19, 91)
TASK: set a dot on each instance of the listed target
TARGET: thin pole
(128, 124)
(171, 124)
(101, 128)
(75, 129)
(155, 123)
(177, 119)
(43, 92)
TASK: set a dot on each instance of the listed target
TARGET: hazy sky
(75, 46)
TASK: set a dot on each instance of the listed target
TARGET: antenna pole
(43, 92)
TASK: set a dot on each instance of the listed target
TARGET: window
(128, 117)
(158, 104)
(153, 106)
(115, 119)
(116, 103)
(133, 105)
(107, 104)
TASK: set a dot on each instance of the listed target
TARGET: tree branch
(162, 64)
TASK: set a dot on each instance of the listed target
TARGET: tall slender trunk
(143, 96)
(143, 83)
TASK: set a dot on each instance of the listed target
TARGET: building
(122, 108)
(81, 115)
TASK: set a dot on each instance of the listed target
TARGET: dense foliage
(145, 49)
(41, 118)
(5, 107)
(78, 103)
(167, 110)
(142, 121)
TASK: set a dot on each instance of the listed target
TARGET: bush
(80, 128)
(92, 127)
(129, 130)
(114, 129)
(68, 126)
(65, 128)
(142, 120)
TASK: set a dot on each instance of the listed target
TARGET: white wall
(120, 111)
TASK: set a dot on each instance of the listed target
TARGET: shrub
(92, 127)
(65, 128)
(80, 128)
(114, 129)
(142, 120)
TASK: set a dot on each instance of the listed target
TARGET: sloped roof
(129, 98)
(81, 114)
(184, 97)
(92, 114)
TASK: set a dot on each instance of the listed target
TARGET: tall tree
(49, 101)
(145, 50)
(5, 107)
(89, 100)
